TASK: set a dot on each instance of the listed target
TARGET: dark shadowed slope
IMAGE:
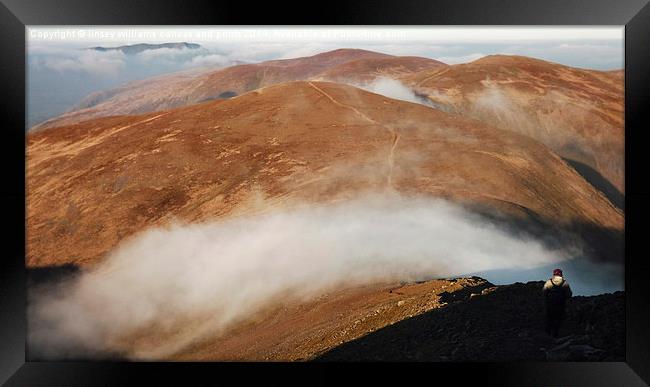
(600, 182)
(504, 323)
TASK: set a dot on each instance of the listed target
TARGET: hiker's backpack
(555, 295)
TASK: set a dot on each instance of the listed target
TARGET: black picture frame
(15, 15)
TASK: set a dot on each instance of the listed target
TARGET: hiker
(557, 291)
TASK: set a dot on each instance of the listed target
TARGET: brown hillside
(365, 70)
(185, 88)
(577, 113)
(92, 184)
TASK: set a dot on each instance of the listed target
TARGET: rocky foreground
(483, 322)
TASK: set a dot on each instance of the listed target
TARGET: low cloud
(187, 282)
(394, 89)
(460, 58)
(210, 60)
(91, 62)
(169, 56)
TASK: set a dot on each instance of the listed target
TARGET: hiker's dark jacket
(558, 281)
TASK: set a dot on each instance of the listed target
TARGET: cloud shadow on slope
(599, 182)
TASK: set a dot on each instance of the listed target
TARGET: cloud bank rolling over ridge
(222, 272)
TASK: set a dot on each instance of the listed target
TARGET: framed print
(456, 188)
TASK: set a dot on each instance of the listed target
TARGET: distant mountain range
(138, 48)
(175, 90)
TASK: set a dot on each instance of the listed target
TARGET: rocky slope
(290, 331)
(497, 323)
(578, 113)
(92, 184)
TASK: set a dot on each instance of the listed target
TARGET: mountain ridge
(302, 140)
(156, 94)
(576, 112)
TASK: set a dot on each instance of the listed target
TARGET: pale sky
(588, 47)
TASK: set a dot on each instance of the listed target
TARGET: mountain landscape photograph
(325, 193)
